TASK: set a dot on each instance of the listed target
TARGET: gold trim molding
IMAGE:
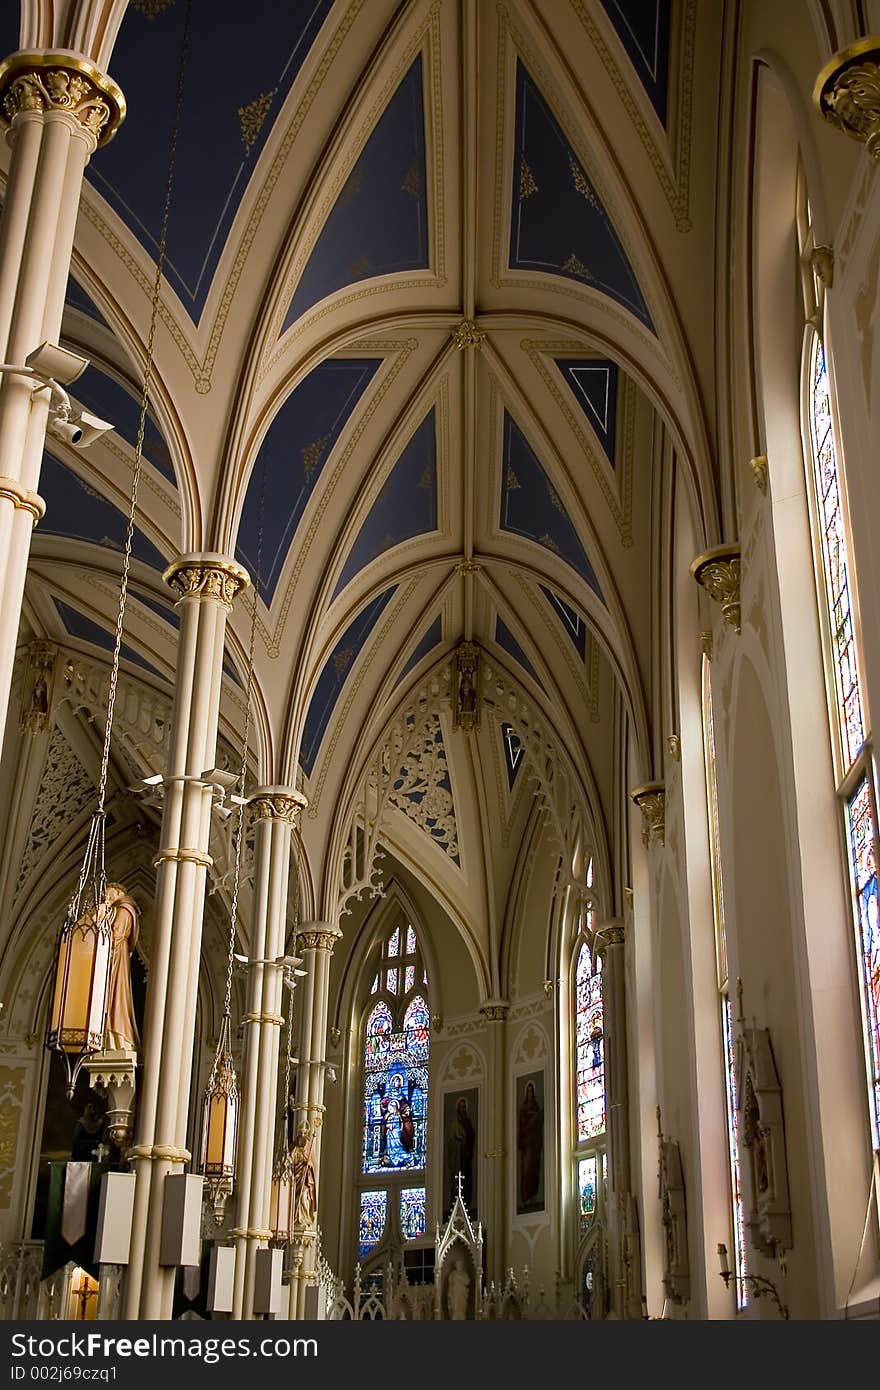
(467, 334)
(59, 81)
(183, 856)
(22, 498)
(318, 940)
(847, 93)
(718, 572)
(651, 801)
(207, 576)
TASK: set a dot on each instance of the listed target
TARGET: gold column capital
(611, 933)
(847, 93)
(278, 803)
(317, 936)
(22, 498)
(207, 575)
(651, 801)
(47, 80)
(495, 1010)
(718, 572)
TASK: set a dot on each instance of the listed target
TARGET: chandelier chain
(142, 418)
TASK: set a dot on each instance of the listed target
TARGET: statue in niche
(88, 1133)
(120, 1028)
(34, 714)
(305, 1184)
(458, 1286)
(466, 711)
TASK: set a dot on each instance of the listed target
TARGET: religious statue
(120, 1028)
(458, 1287)
(87, 1133)
(466, 708)
(34, 715)
(305, 1183)
(461, 1142)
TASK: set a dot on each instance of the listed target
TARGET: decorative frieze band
(495, 1011)
(58, 81)
(207, 576)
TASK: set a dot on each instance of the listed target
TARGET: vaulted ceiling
(353, 180)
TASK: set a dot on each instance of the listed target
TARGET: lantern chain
(142, 418)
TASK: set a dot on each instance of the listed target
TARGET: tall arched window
(838, 607)
(589, 1069)
(396, 1040)
(726, 1013)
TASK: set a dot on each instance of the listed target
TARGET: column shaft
(207, 585)
(494, 1212)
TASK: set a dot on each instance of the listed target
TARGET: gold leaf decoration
(412, 182)
(253, 116)
(512, 481)
(582, 183)
(575, 266)
(527, 185)
(550, 543)
(426, 481)
(313, 453)
(342, 661)
(150, 9)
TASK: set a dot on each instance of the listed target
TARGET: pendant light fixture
(85, 943)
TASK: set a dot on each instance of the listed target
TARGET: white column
(315, 943)
(611, 942)
(58, 108)
(493, 1204)
(276, 811)
(207, 585)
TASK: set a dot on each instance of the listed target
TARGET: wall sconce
(760, 1287)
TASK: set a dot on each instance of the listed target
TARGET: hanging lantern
(282, 1203)
(220, 1126)
(82, 965)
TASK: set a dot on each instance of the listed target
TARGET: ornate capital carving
(847, 93)
(495, 1010)
(466, 692)
(718, 572)
(673, 747)
(822, 262)
(651, 801)
(278, 803)
(467, 334)
(317, 936)
(760, 472)
(611, 934)
(59, 81)
(207, 576)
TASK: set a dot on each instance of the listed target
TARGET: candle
(725, 1267)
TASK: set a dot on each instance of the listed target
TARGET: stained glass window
(587, 1173)
(590, 1046)
(835, 562)
(863, 853)
(374, 988)
(396, 1069)
(412, 1212)
(372, 1220)
(410, 942)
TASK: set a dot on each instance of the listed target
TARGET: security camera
(91, 428)
(49, 360)
(66, 431)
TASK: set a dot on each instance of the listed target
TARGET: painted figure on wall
(530, 1144)
(461, 1147)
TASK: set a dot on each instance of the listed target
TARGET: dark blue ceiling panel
(379, 223)
(643, 29)
(78, 511)
(9, 30)
(406, 506)
(508, 643)
(432, 638)
(571, 620)
(333, 677)
(79, 298)
(298, 443)
(594, 383)
(557, 223)
(513, 752)
(531, 506)
(103, 396)
(238, 74)
(78, 625)
(166, 611)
